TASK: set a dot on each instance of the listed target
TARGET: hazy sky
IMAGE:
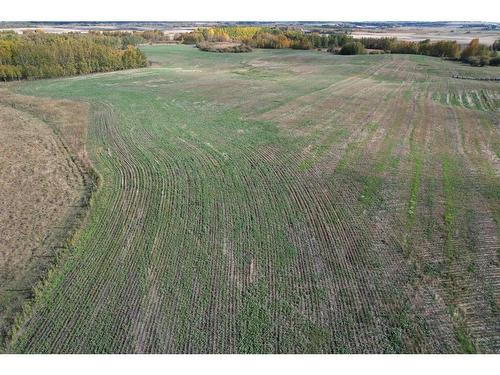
(265, 10)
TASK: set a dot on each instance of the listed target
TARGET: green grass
(415, 184)
(449, 205)
(239, 208)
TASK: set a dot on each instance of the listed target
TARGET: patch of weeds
(398, 330)
(455, 99)
(374, 181)
(466, 343)
(471, 267)
(432, 269)
(255, 323)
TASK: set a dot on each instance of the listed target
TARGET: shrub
(474, 49)
(193, 37)
(353, 48)
(266, 39)
(404, 47)
(474, 60)
(223, 47)
(495, 61)
(496, 45)
(444, 48)
(303, 43)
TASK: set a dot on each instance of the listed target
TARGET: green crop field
(281, 201)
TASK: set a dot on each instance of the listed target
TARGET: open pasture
(281, 201)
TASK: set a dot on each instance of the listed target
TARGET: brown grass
(43, 183)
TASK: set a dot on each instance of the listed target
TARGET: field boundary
(66, 233)
(456, 76)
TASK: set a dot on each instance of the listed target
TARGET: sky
(254, 10)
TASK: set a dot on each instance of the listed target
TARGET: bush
(496, 45)
(474, 49)
(193, 37)
(443, 48)
(353, 48)
(495, 61)
(303, 43)
(266, 39)
(223, 47)
(384, 44)
(9, 73)
(474, 60)
(484, 60)
(404, 47)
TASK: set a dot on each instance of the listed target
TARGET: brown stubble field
(281, 201)
(461, 35)
(43, 184)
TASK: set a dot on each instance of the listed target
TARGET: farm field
(280, 201)
(38, 183)
(463, 36)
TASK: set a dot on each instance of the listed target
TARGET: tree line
(478, 54)
(264, 37)
(137, 37)
(36, 54)
(224, 47)
(474, 53)
(275, 37)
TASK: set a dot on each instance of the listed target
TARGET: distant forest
(274, 37)
(35, 54)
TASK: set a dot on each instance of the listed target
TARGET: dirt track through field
(280, 201)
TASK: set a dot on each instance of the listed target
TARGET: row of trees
(475, 53)
(274, 37)
(353, 48)
(35, 55)
(224, 47)
(136, 37)
(266, 37)
(478, 54)
(443, 48)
